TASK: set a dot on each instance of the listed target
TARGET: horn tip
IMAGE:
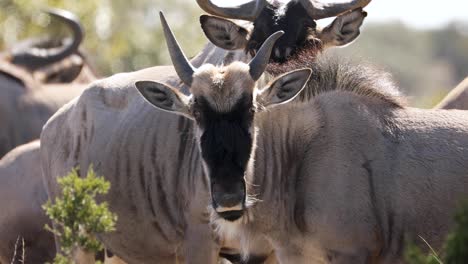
(50, 10)
(279, 33)
(60, 13)
(161, 15)
(163, 19)
(55, 11)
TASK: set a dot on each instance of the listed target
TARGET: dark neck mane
(336, 74)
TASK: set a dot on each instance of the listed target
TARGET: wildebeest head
(223, 103)
(296, 18)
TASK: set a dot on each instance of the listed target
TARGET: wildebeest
(457, 98)
(108, 126)
(295, 18)
(346, 173)
(22, 217)
(222, 105)
(36, 82)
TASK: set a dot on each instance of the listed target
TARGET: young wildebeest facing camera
(295, 18)
(223, 103)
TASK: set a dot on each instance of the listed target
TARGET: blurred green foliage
(455, 249)
(127, 36)
(425, 63)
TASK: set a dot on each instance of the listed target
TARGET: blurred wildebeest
(110, 125)
(36, 80)
(22, 217)
(457, 98)
(48, 59)
(296, 18)
(347, 175)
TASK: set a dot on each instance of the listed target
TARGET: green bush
(414, 255)
(76, 215)
(456, 247)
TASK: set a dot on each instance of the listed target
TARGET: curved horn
(260, 61)
(181, 64)
(321, 10)
(248, 11)
(37, 57)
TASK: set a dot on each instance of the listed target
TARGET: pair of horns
(250, 10)
(185, 69)
(37, 57)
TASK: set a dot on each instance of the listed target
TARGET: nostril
(229, 200)
(227, 196)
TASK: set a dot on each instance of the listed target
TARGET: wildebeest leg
(200, 246)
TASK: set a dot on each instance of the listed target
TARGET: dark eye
(252, 52)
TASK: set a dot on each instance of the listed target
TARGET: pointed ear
(344, 29)
(224, 33)
(284, 88)
(164, 97)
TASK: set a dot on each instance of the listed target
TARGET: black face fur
(226, 145)
(295, 22)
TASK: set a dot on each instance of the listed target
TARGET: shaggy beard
(300, 59)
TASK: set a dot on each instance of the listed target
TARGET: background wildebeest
(22, 194)
(295, 18)
(36, 81)
(50, 60)
(109, 126)
(426, 54)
